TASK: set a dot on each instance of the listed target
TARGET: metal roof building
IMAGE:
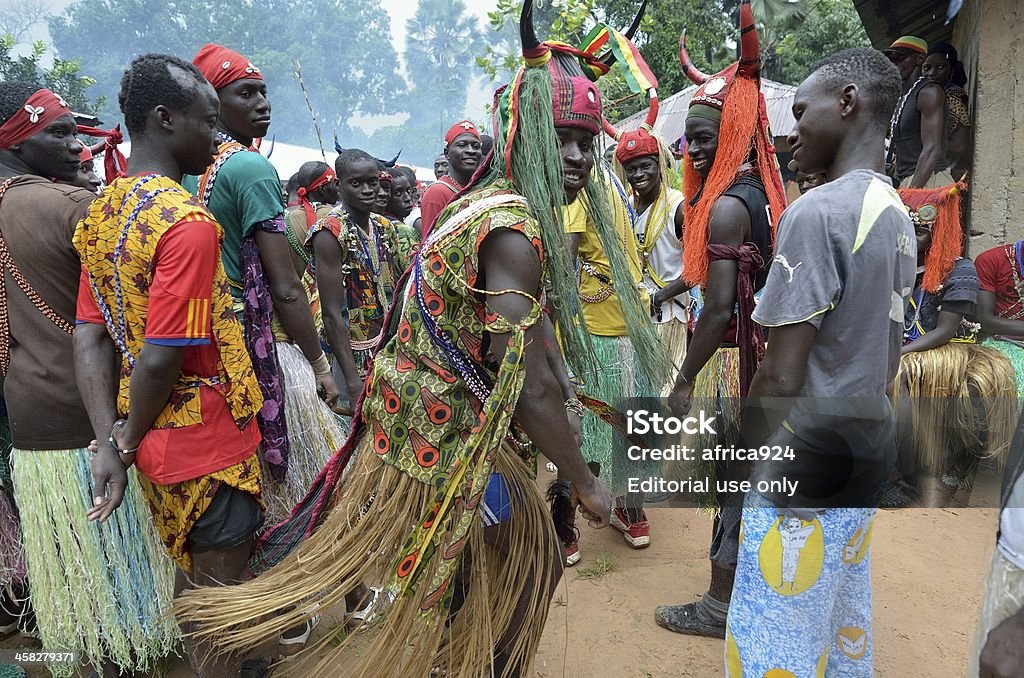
(672, 115)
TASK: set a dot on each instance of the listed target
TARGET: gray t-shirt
(845, 261)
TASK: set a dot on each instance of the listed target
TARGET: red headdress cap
(635, 144)
(457, 130)
(327, 177)
(42, 108)
(223, 66)
(85, 156)
(714, 89)
(575, 98)
(114, 163)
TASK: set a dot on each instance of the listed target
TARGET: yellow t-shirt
(603, 317)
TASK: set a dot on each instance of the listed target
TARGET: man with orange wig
(734, 197)
(956, 398)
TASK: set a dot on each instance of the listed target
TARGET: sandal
(692, 619)
(292, 645)
(367, 614)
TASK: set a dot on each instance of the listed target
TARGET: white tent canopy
(287, 158)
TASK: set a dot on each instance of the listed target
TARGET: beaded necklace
(119, 327)
(7, 264)
(1016, 259)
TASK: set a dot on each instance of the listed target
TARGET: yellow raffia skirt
(716, 391)
(358, 542)
(673, 336)
(963, 403)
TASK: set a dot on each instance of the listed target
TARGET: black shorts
(232, 518)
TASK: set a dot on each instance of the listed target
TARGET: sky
(399, 11)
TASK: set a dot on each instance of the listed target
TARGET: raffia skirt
(673, 335)
(963, 404)
(716, 391)
(314, 433)
(376, 510)
(102, 589)
(619, 378)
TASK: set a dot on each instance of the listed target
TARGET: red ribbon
(42, 108)
(115, 165)
(327, 177)
(748, 333)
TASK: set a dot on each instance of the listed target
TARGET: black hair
(956, 67)
(292, 184)
(310, 172)
(349, 156)
(486, 144)
(13, 95)
(406, 172)
(149, 82)
(871, 71)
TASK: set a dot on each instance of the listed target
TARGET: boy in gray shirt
(844, 264)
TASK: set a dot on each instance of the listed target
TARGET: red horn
(691, 71)
(652, 111)
(609, 129)
(750, 47)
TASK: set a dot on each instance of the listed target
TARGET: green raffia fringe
(1015, 355)
(537, 176)
(104, 590)
(653, 357)
(618, 381)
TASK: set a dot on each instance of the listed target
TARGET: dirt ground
(928, 573)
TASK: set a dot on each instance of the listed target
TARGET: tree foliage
(442, 39)
(830, 26)
(63, 76)
(795, 34)
(343, 46)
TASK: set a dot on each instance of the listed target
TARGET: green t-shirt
(247, 191)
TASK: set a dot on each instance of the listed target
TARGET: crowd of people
(237, 404)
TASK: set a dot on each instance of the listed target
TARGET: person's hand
(109, 481)
(327, 388)
(680, 400)
(594, 500)
(658, 298)
(1003, 653)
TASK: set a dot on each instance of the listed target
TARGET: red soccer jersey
(996, 274)
(179, 315)
(435, 199)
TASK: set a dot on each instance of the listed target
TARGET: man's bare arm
(931, 102)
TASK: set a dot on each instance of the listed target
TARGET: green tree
(62, 77)
(441, 42)
(343, 46)
(706, 23)
(829, 26)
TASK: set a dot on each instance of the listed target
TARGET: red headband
(327, 177)
(114, 163)
(85, 156)
(635, 144)
(223, 66)
(42, 108)
(458, 129)
(384, 177)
